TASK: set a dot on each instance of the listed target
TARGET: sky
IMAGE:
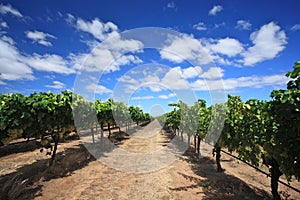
(149, 53)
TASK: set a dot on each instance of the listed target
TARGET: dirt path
(146, 166)
(99, 181)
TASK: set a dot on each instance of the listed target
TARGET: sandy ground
(78, 175)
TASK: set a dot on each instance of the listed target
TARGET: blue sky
(100, 49)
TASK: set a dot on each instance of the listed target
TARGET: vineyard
(262, 133)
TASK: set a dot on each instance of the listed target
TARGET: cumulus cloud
(155, 88)
(158, 80)
(174, 81)
(167, 96)
(200, 26)
(17, 66)
(268, 41)
(215, 10)
(213, 73)
(96, 27)
(243, 25)
(103, 60)
(49, 63)
(8, 9)
(8, 39)
(128, 79)
(226, 46)
(11, 62)
(56, 85)
(108, 55)
(39, 37)
(99, 89)
(190, 72)
(131, 82)
(240, 82)
(185, 47)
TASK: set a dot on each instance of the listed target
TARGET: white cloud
(5, 9)
(120, 46)
(243, 25)
(296, 27)
(99, 89)
(215, 10)
(4, 25)
(103, 59)
(45, 43)
(108, 55)
(56, 85)
(97, 28)
(151, 78)
(17, 66)
(128, 79)
(240, 82)
(8, 39)
(113, 52)
(147, 80)
(185, 47)
(69, 19)
(167, 96)
(171, 5)
(268, 41)
(159, 80)
(39, 37)
(190, 72)
(49, 63)
(200, 26)
(142, 97)
(50, 76)
(1, 82)
(155, 88)
(213, 73)
(227, 46)
(174, 81)
(11, 62)
(220, 59)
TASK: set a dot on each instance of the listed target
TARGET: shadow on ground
(218, 185)
(19, 147)
(26, 181)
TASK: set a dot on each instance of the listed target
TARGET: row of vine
(50, 117)
(260, 132)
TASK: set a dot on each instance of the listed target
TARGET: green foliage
(50, 117)
(230, 136)
(258, 131)
(173, 118)
(137, 114)
(15, 117)
(204, 114)
(84, 112)
(294, 84)
(285, 108)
